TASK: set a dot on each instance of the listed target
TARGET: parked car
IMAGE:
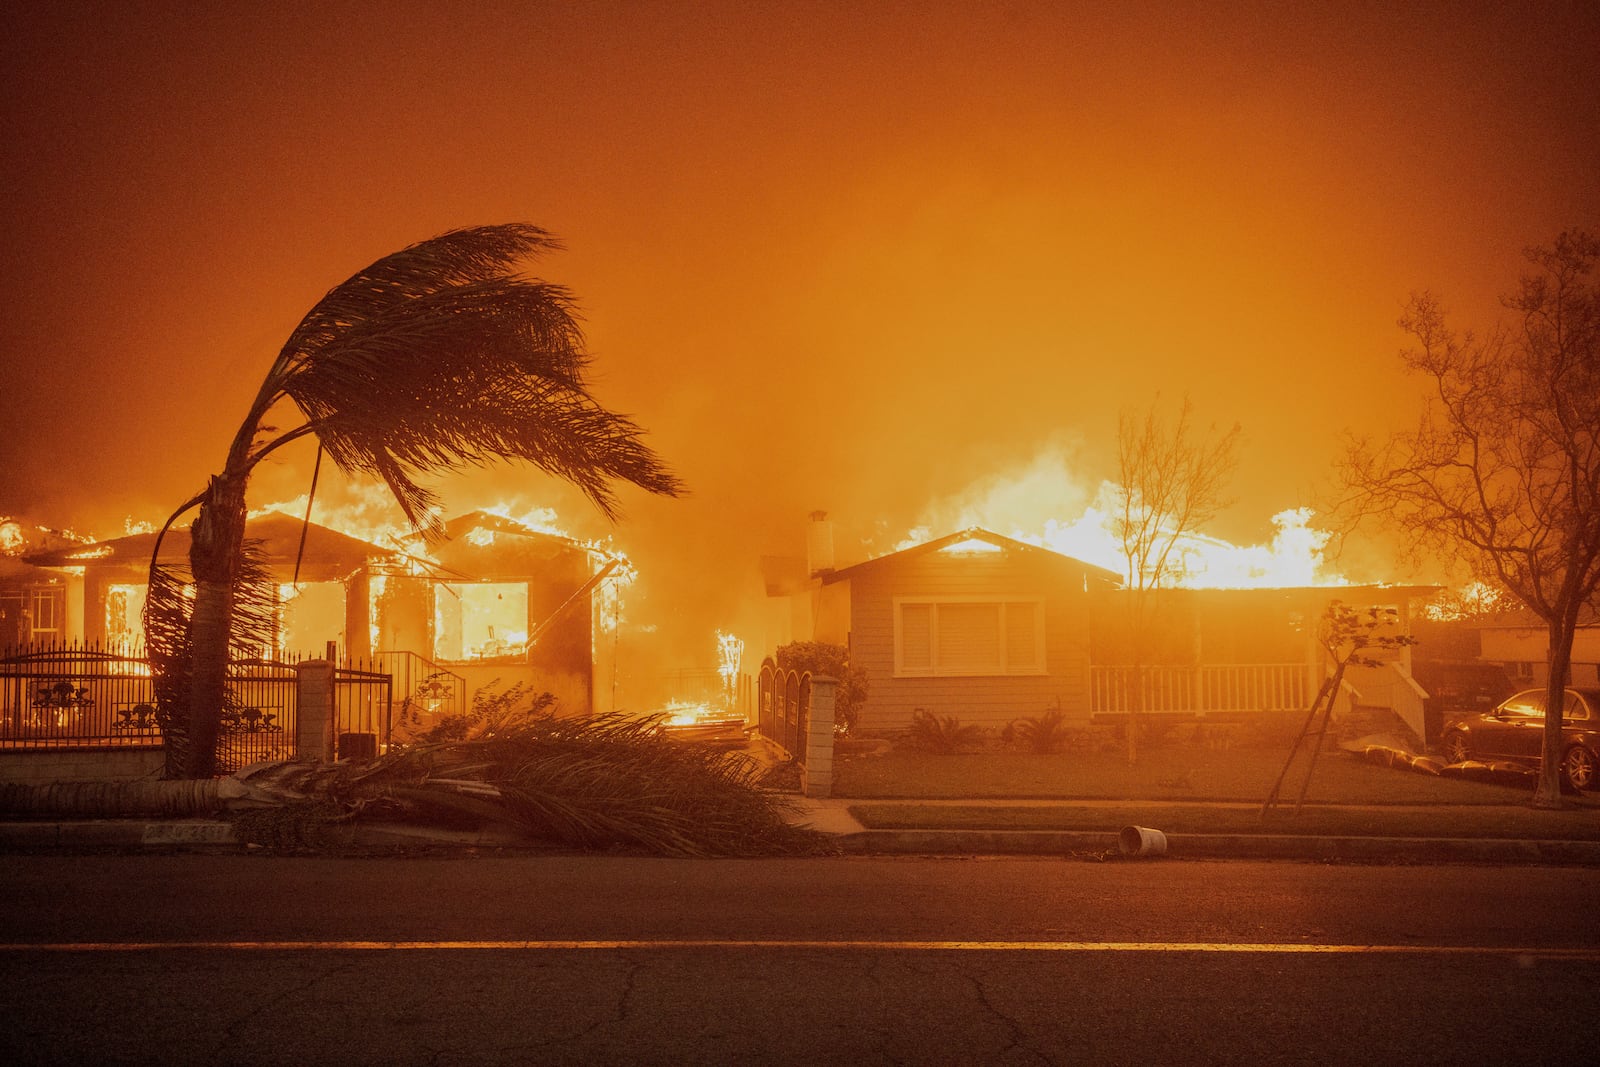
(1458, 688)
(1514, 730)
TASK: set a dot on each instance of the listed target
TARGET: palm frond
(439, 357)
(459, 256)
(168, 638)
(167, 608)
(610, 782)
(254, 629)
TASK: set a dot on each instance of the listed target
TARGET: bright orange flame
(363, 510)
(1034, 503)
(12, 541)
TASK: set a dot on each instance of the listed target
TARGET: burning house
(321, 574)
(496, 601)
(33, 603)
(493, 601)
(973, 624)
(991, 629)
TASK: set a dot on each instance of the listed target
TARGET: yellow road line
(1263, 948)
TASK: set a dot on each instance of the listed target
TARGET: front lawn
(1172, 772)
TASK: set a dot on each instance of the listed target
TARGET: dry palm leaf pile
(599, 784)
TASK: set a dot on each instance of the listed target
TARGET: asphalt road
(228, 959)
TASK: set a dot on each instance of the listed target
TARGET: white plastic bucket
(1142, 841)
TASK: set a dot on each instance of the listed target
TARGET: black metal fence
(785, 708)
(263, 721)
(421, 691)
(74, 696)
(79, 696)
(363, 711)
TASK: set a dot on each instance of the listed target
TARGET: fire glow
(1020, 505)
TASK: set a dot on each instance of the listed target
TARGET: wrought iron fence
(421, 691)
(363, 711)
(261, 722)
(82, 696)
(74, 696)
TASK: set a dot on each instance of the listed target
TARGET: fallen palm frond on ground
(605, 783)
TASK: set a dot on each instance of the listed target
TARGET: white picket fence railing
(1202, 690)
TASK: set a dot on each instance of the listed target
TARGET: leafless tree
(435, 357)
(1502, 473)
(1171, 481)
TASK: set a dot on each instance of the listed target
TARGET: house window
(47, 607)
(968, 637)
(480, 620)
(309, 616)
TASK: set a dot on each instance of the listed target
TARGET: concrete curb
(1225, 846)
(116, 834)
(209, 835)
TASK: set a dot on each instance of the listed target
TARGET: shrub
(1043, 734)
(819, 657)
(941, 733)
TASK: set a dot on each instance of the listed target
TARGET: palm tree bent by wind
(436, 357)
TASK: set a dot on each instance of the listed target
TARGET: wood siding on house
(988, 700)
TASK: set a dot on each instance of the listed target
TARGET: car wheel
(1456, 747)
(1578, 768)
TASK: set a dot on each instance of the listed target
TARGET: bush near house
(942, 734)
(820, 657)
(1042, 734)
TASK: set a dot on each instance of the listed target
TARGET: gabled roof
(279, 536)
(486, 546)
(972, 534)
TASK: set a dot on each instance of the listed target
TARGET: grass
(1187, 789)
(1170, 772)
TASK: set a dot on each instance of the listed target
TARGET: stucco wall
(81, 765)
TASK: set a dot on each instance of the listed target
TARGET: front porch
(1252, 692)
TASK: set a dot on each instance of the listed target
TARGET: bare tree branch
(1502, 473)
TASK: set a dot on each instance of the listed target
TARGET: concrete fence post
(817, 780)
(314, 727)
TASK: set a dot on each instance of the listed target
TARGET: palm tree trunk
(109, 800)
(214, 556)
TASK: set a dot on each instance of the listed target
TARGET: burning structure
(493, 601)
(990, 629)
(33, 603)
(104, 582)
(973, 624)
(497, 601)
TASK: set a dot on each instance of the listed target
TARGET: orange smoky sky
(856, 257)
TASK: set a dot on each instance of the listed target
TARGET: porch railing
(1225, 689)
(422, 690)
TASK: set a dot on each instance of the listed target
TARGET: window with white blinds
(968, 637)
